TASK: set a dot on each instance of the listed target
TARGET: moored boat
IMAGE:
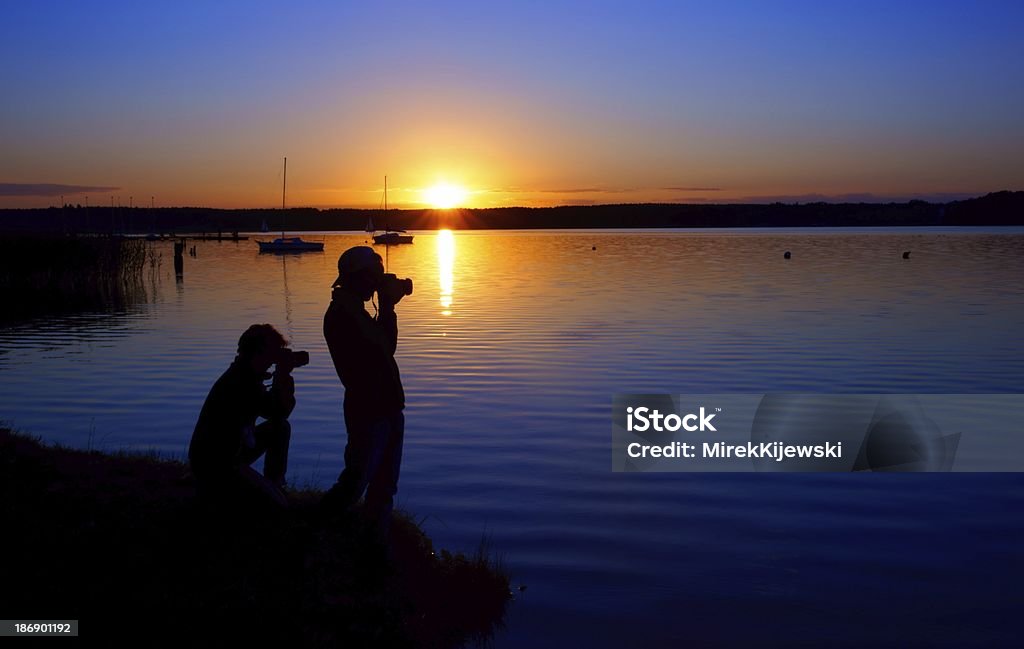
(285, 243)
(392, 237)
(290, 244)
(389, 237)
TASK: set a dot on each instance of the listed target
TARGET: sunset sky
(525, 103)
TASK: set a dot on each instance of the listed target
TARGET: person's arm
(387, 321)
(348, 341)
(279, 400)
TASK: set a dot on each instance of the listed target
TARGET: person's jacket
(363, 351)
(228, 419)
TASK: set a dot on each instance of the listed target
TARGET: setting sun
(444, 196)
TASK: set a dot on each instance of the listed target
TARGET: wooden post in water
(179, 259)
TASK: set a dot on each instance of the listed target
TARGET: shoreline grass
(120, 543)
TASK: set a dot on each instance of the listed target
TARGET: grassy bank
(42, 274)
(120, 543)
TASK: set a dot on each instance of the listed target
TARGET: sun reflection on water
(446, 262)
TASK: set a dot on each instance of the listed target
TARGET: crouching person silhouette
(227, 439)
(363, 350)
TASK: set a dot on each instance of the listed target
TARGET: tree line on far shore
(996, 209)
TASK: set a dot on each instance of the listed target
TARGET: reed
(44, 275)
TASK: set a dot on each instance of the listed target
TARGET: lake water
(511, 348)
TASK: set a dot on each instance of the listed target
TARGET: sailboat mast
(284, 186)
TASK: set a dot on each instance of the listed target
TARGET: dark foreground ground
(120, 543)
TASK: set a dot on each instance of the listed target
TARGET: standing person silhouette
(363, 350)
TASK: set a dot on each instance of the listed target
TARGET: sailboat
(285, 243)
(389, 237)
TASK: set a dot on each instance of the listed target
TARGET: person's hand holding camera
(287, 360)
(391, 290)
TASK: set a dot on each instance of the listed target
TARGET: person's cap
(356, 259)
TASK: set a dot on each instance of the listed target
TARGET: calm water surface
(510, 350)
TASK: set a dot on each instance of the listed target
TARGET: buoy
(906, 254)
(787, 254)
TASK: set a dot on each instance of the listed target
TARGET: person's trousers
(239, 483)
(273, 438)
(373, 459)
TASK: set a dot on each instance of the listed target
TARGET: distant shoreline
(998, 209)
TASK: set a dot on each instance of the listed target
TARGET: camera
(287, 360)
(393, 289)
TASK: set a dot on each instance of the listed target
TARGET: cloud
(603, 190)
(864, 197)
(50, 189)
(598, 190)
(567, 190)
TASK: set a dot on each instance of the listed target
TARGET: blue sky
(519, 103)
